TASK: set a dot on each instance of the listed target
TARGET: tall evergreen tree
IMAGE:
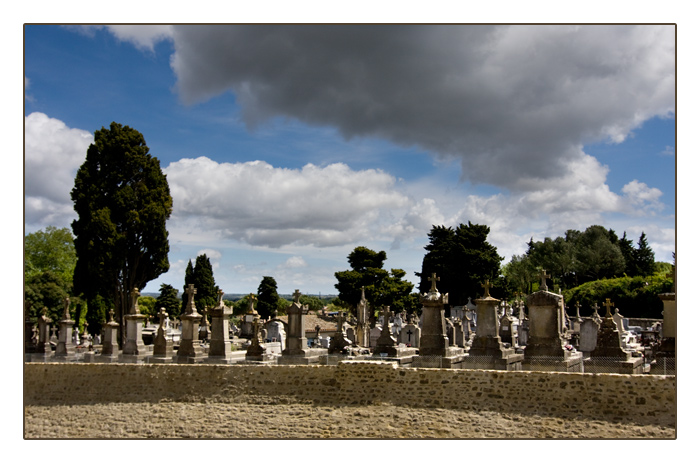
(189, 280)
(643, 257)
(462, 258)
(268, 298)
(122, 200)
(203, 279)
(169, 300)
(627, 251)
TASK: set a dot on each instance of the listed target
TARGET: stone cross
(595, 310)
(544, 276)
(578, 311)
(135, 301)
(296, 295)
(66, 306)
(433, 279)
(341, 320)
(607, 305)
(191, 291)
(220, 302)
(486, 285)
(162, 315)
(251, 303)
(111, 316)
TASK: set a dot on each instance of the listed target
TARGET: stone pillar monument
(339, 342)
(362, 322)
(255, 351)
(297, 350)
(435, 351)
(220, 345)
(487, 351)
(65, 347)
(608, 355)
(43, 347)
(162, 346)
(190, 349)
(545, 345)
(110, 345)
(134, 348)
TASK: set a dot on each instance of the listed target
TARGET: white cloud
(143, 37)
(669, 151)
(641, 199)
(294, 262)
(53, 153)
(261, 205)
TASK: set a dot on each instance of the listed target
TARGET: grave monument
(65, 348)
(387, 347)
(134, 348)
(190, 350)
(608, 355)
(297, 350)
(110, 345)
(220, 344)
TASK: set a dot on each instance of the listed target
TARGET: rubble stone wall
(602, 396)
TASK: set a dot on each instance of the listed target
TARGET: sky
(285, 147)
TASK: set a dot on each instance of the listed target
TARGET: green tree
(627, 251)
(147, 306)
(520, 274)
(169, 300)
(189, 280)
(381, 286)
(51, 250)
(643, 257)
(122, 200)
(462, 259)
(46, 289)
(267, 297)
(203, 280)
(597, 256)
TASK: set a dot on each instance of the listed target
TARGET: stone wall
(601, 396)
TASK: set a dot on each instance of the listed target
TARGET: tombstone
(588, 335)
(396, 325)
(190, 350)
(374, 334)
(459, 339)
(65, 347)
(134, 348)
(410, 335)
(255, 352)
(435, 351)
(339, 343)
(546, 349)
(276, 333)
(162, 345)
(110, 346)
(296, 348)
(487, 350)
(508, 330)
(249, 317)
(387, 347)
(204, 331)
(450, 332)
(43, 347)
(350, 334)
(608, 355)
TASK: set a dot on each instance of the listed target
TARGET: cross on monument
(221, 298)
(191, 291)
(543, 276)
(296, 295)
(341, 320)
(409, 333)
(162, 315)
(433, 279)
(486, 285)
(607, 305)
(111, 316)
(595, 309)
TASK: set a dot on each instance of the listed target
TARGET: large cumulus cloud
(259, 204)
(514, 103)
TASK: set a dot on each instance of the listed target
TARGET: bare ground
(280, 419)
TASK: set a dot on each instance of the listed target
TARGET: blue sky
(285, 148)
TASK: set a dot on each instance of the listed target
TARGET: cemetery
(482, 358)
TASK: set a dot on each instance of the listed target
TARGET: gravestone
(546, 340)
(110, 345)
(374, 334)
(204, 330)
(162, 345)
(487, 350)
(608, 355)
(350, 333)
(459, 337)
(339, 343)
(435, 351)
(450, 332)
(387, 347)
(220, 344)
(65, 347)
(190, 350)
(410, 335)
(275, 332)
(134, 348)
(362, 322)
(43, 347)
(588, 334)
(248, 318)
(297, 350)
(255, 351)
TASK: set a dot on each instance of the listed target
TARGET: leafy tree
(643, 257)
(267, 297)
(520, 274)
(598, 257)
(627, 251)
(313, 302)
(381, 286)
(462, 258)
(51, 250)
(122, 200)
(201, 275)
(46, 289)
(169, 300)
(147, 306)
